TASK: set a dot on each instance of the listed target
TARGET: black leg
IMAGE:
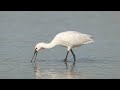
(73, 55)
(66, 56)
(66, 65)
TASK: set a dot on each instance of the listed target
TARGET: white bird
(68, 39)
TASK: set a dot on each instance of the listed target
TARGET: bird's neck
(49, 45)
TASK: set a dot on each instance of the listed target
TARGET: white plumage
(68, 39)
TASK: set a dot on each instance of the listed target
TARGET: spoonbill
(68, 39)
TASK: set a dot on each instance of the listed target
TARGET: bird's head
(39, 46)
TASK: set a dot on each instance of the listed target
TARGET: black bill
(35, 54)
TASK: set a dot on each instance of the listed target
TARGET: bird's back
(71, 38)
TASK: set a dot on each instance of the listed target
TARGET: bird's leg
(73, 55)
(66, 65)
(66, 56)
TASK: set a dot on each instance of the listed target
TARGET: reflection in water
(37, 73)
(72, 66)
(69, 72)
(34, 65)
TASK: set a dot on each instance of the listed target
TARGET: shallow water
(20, 31)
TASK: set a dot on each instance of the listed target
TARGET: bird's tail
(91, 36)
(90, 40)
